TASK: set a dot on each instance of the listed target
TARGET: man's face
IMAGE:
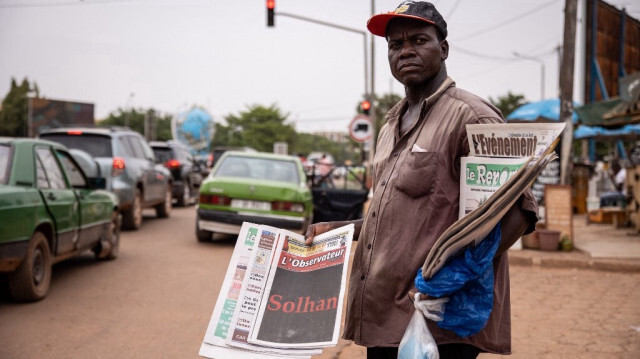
(415, 54)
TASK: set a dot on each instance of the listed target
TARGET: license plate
(247, 204)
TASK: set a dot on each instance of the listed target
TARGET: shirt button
(395, 154)
(383, 183)
(373, 214)
(369, 246)
(362, 277)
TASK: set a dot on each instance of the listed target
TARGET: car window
(126, 146)
(162, 154)
(146, 149)
(138, 152)
(5, 151)
(95, 145)
(258, 168)
(73, 171)
(41, 176)
(52, 170)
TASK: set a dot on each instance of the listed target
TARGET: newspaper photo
(303, 304)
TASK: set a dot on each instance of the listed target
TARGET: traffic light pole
(345, 28)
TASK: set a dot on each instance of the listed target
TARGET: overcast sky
(174, 54)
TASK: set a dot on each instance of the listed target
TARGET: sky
(220, 55)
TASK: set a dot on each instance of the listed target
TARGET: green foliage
(506, 104)
(135, 119)
(13, 113)
(258, 127)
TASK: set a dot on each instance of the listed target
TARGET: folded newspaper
(504, 161)
(280, 297)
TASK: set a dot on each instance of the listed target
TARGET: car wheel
(31, 280)
(202, 235)
(112, 239)
(132, 218)
(164, 209)
(185, 199)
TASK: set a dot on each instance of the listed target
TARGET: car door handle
(51, 196)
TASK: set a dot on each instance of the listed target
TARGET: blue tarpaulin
(585, 132)
(548, 110)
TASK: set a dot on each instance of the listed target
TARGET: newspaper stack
(504, 161)
(280, 297)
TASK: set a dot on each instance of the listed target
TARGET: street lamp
(541, 70)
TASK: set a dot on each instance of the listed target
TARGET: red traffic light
(365, 105)
(271, 5)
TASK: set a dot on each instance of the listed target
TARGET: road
(156, 299)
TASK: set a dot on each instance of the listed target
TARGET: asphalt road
(153, 301)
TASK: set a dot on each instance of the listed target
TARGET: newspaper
(248, 280)
(515, 140)
(533, 142)
(303, 305)
(481, 177)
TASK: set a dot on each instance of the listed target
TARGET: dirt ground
(563, 313)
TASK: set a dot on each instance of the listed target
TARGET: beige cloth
(415, 199)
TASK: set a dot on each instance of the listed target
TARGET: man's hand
(321, 227)
(318, 228)
(412, 295)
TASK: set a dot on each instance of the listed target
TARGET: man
(416, 173)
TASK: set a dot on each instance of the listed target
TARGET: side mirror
(97, 182)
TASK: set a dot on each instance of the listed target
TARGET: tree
(382, 106)
(258, 127)
(13, 113)
(506, 104)
(135, 119)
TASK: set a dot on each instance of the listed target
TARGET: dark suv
(128, 163)
(185, 172)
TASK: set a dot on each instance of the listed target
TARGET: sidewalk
(599, 247)
(596, 246)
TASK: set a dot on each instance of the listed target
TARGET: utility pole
(566, 88)
(372, 97)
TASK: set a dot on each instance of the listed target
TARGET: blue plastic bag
(467, 279)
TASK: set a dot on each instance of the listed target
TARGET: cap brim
(377, 24)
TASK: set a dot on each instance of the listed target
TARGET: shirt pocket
(417, 177)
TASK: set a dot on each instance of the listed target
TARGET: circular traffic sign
(360, 128)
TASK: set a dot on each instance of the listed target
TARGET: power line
(484, 56)
(62, 3)
(514, 19)
(453, 9)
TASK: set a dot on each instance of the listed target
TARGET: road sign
(360, 128)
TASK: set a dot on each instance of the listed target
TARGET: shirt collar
(395, 112)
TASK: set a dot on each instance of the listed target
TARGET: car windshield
(95, 145)
(258, 168)
(162, 154)
(4, 163)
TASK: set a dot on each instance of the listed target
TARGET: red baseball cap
(419, 10)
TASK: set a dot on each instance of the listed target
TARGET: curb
(572, 260)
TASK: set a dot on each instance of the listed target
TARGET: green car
(261, 188)
(49, 211)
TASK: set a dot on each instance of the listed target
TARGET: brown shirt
(415, 199)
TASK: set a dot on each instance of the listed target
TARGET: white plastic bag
(417, 342)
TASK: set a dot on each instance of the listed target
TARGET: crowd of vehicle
(73, 189)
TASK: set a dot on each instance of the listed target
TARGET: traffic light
(365, 106)
(271, 6)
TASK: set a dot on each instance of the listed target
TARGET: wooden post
(566, 88)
